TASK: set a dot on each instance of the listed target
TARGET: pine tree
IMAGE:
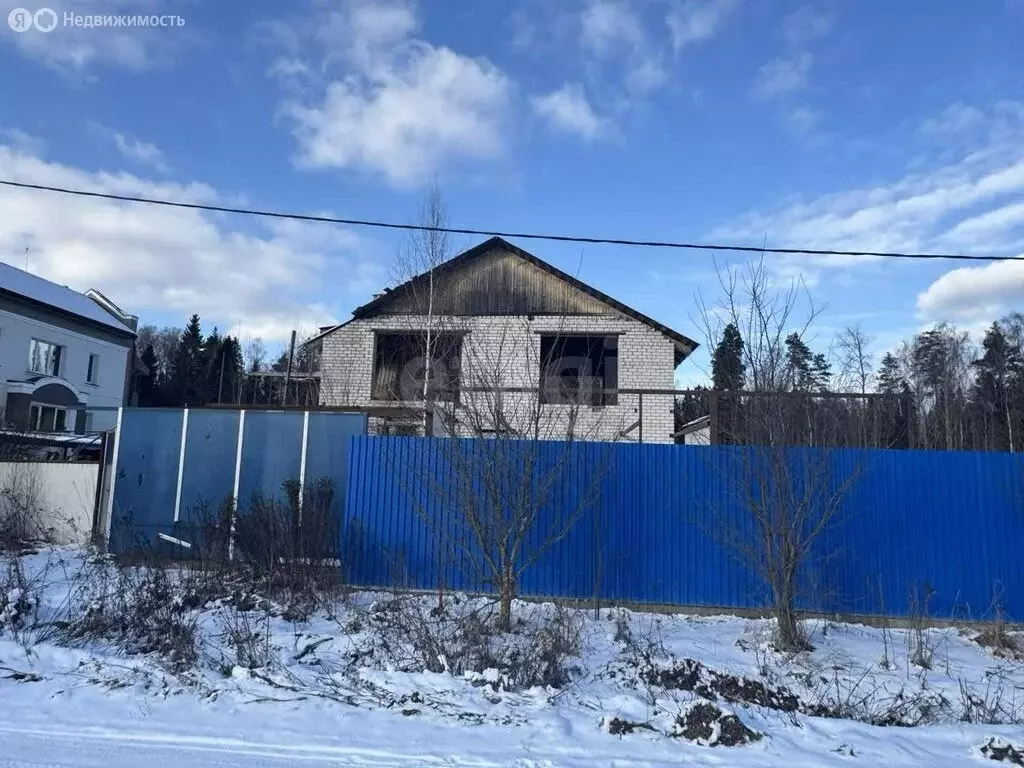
(212, 356)
(188, 383)
(149, 385)
(727, 368)
(890, 378)
(997, 372)
(821, 373)
(799, 364)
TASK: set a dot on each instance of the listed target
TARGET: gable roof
(35, 289)
(684, 345)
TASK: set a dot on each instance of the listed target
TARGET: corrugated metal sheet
(150, 456)
(662, 521)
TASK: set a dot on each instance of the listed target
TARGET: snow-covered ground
(380, 680)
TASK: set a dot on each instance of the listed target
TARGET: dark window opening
(400, 366)
(579, 369)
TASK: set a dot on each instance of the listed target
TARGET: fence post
(640, 413)
(302, 461)
(113, 474)
(234, 491)
(713, 417)
(181, 464)
(101, 478)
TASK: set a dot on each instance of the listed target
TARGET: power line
(495, 233)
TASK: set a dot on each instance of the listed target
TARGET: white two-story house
(66, 358)
(515, 346)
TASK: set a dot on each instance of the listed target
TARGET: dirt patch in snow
(707, 725)
(693, 676)
(618, 726)
(1003, 751)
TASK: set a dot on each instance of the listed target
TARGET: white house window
(92, 374)
(47, 418)
(44, 357)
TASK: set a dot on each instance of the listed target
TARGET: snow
(60, 296)
(97, 705)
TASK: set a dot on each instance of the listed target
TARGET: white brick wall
(509, 347)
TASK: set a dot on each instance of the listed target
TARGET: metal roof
(34, 288)
(684, 345)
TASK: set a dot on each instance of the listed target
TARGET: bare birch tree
(421, 254)
(787, 499)
(511, 452)
(855, 362)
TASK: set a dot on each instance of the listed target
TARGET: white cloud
(803, 119)
(140, 152)
(76, 50)
(23, 141)
(955, 119)
(807, 24)
(568, 110)
(975, 294)
(612, 35)
(261, 280)
(608, 25)
(782, 76)
(693, 21)
(393, 103)
(985, 225)
(974, 205)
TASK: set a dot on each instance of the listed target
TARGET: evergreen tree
(212, 357)
(727, 368)
(821, 373)
(188, 382)
(998, 373)
(801, 365)
(890, 378)
(940, 373)
(149, 386)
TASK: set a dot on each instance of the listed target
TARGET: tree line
(944, 391)
(187, 368)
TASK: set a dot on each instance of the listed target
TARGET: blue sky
(863, 125)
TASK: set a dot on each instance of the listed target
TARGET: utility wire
(495, 233)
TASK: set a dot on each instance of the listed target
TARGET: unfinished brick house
(496, 340)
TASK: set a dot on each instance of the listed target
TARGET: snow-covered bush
(141, 609)
(465, 640)
(18, 602)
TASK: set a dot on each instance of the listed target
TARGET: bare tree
(855, 362)
(504, 486)
(764, 316)
(786, 499)
(421, 254)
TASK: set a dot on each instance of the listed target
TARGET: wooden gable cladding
(496, 282)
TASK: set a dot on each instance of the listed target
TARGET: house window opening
(44, 357)
(579, 369)
(47, 418)
(400, 366)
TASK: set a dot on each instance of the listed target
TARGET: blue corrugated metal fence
(659, 524)
(166, 485)
(641, 523)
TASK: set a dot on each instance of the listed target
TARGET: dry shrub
(921, 650)
(141, 610)
(247, 634)
(465, 641)
(19, 601)
(292, 551)
(21, 510)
